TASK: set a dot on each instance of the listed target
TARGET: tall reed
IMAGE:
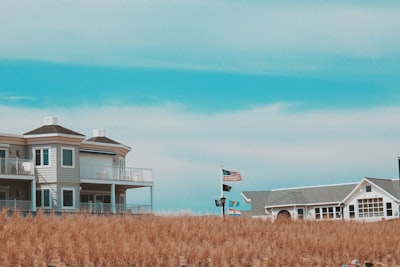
(148, 240)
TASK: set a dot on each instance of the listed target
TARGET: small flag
(226, 187)
(231, 176)
(233, 203)
(233, 212)
(218, 203)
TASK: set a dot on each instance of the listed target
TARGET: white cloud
(272, 146)
(197, 34)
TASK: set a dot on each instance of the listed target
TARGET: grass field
(86, 240)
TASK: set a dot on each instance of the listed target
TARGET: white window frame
(42, 198)
(73, 157)
(42, 156)
(370, 207)
(73, 197)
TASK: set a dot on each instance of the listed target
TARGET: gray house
(53, 168)
(369, 200)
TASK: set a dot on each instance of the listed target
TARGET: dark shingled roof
(52, 129)
(103, 139)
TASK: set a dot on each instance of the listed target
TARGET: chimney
(99, 133)
(50, 120)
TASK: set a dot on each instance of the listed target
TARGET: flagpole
(222, 180)
(222, 191)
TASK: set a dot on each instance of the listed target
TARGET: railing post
(113, 198)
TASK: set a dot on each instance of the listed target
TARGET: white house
(371, 199)
(53, 168)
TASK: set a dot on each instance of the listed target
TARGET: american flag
(231, 176)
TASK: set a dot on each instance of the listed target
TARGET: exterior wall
(46, 174)
(376, 193)
(66, 174)
(18, 151)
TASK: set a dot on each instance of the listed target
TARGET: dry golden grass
(86, 240)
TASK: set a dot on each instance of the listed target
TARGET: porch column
(113, 198)
(151, 198)
(33, 194)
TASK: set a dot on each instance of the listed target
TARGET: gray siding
(46, 174)
(18, 151)
(68, 175)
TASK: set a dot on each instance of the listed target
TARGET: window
(330, 213)
(43, 198)
(389, 211)
(324, 213)
(351, 211)
(368, 188)
(67, 159)
(370, 207)
(317, 214)
(68, 197)
(42, 157)
(300, 214)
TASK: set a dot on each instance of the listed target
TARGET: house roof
(52, 129)
(103, 139)
(298, 196)
(392, 186)
(312, 195)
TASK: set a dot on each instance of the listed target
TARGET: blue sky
(291, 93)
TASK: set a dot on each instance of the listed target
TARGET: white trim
(73, 157)
(4, 145)
(73, 197)
(107, 145)
(305, 205)
(54, 135)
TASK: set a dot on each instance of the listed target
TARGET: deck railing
(16, 166)
(116, 174)
(23, 205)
(91, 207)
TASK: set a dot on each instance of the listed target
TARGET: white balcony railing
(116, 174)
(16, 166)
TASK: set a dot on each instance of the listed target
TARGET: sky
(289, 93)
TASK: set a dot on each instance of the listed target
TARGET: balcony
(116, 174)
(16, 166)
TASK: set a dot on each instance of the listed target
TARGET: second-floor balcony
(16, 166)
(94, 172)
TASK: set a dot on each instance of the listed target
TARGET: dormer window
(368, 188)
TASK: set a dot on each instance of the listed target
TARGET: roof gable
(389, 185)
